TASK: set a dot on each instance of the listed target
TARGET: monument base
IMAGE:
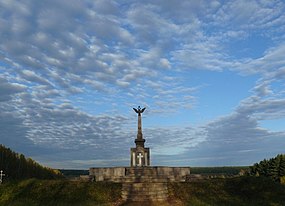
(140, 157)
(141, 183)
(140, 174)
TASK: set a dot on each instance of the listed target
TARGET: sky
(211, 75)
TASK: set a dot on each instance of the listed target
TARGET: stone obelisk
(140, 155)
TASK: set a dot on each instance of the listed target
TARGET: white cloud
(249, 14)
(165, 63)
(266, 65)
(7, 90)
(60, 58)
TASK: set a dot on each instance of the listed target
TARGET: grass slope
(242, 191)
(34, 192)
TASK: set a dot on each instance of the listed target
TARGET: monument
(140, 164)
(140, 156)
(140, 181)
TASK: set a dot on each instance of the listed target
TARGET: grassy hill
(239, 191)
(34, 192)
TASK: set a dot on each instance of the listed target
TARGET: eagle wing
(142, 110)
(136, 110)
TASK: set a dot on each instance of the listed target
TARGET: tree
(282, 166)
(263, 167)
(273, 168)
(16, 166)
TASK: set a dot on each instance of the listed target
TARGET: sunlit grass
(240, 191)
(34, 192)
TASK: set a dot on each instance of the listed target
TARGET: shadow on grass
(240, 191)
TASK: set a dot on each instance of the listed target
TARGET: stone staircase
(144, 184)
(145, 192)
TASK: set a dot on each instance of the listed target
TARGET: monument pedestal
(140, 157)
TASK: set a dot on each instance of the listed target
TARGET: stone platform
(141, 184)
(140, 174)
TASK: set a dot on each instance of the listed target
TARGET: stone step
(161, 192)
(137, 192)
(144, 191)
(132, 178)
(146, 180)
(145, 185)
(152, 203)
(150, 176)
(147, 195)
(144, 198)
(138, 180)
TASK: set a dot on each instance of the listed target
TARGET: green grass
(239, 191)
(34, 192)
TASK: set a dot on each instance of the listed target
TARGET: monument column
(139, 140)
(140, 154)
(139, 135)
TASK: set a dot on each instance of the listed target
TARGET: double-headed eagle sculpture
(139, 110)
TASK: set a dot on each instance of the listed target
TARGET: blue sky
(210, 73)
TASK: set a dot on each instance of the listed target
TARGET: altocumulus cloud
(70, 71)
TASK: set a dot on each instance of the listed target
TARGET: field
(239, 191)
(34, 192)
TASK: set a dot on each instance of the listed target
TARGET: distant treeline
(17, 166)
(273, 168)
(227, 171)
(73, 173)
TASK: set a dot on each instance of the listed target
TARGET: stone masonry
(141, 182)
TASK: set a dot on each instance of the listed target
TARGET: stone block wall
(124, 174)
(106, 173)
